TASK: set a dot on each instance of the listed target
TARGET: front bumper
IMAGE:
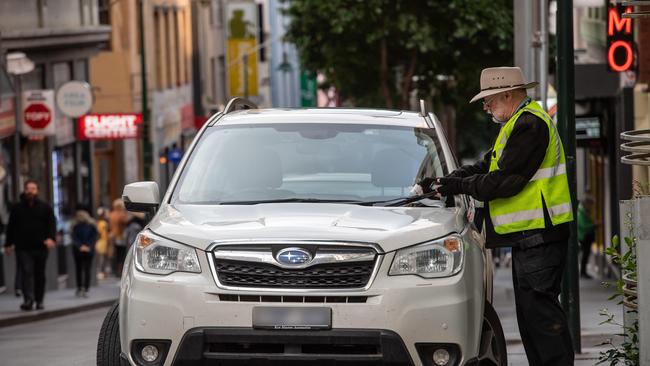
(399, 313)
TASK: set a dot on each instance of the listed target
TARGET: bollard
(641, 220)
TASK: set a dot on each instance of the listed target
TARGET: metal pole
(640, 218)
(16, 142)
(543, 52)
(567, 128)
(245, 67)
(196, 62)
(146, 141)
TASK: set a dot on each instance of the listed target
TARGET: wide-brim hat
(495, 80)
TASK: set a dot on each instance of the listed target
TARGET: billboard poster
(241, 21)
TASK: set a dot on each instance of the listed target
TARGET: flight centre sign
(620, 39)
(109, 126)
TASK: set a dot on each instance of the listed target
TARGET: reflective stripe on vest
(525, 210)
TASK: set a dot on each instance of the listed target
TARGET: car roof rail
(423, 108)
(239, 102)
(425, 114)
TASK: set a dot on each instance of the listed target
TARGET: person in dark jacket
(523, 183)
(31, 232)
(84, 238)
(133, 227)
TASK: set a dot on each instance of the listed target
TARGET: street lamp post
(567, 129)
(17, 65)
(146, 141)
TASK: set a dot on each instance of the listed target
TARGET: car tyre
(493, 343)
(108, 345)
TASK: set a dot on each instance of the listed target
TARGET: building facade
(58, 37)
(59, 40)
(117, 76)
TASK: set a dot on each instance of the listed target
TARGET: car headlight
(157, 255)
(439, 258)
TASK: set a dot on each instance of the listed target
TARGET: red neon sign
(620, 51)
(109, 126)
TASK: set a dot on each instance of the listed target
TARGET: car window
(326, 161)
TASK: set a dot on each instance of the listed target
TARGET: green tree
(378, 52)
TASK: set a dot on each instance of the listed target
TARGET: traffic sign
(74, 98)
(38, 113)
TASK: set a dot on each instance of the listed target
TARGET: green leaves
(627, 351)
(345, 40)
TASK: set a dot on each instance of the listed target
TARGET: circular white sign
(74, 98)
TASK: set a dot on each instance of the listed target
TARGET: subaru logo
(293, 257)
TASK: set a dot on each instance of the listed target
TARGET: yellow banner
(237, 50)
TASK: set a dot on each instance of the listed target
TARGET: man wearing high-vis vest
(524, 185)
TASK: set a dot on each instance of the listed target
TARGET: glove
(449, 186)
(426, 184)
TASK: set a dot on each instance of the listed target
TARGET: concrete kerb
(37, 315)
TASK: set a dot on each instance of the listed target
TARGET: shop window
(35, 79)
(81, 70)
(105, 12)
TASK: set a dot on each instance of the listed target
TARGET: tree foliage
(377, 52)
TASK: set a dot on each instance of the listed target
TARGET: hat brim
(487, 93)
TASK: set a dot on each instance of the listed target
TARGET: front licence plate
(291, 318)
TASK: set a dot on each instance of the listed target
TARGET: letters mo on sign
(620, 39)
(109, 126)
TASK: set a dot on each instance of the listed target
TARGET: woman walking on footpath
(117, 220)
(103, 247)
(84, 238)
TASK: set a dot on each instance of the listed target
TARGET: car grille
(348, 274)
(250, 347)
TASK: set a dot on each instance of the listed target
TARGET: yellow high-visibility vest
(525, 210)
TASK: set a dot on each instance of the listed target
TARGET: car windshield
(309, 162)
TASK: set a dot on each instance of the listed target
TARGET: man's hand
(49, 243)
(426, 184)
(84, 248)
(448, 186)
(9, 249)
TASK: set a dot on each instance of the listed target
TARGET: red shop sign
(109, 126)
(620, 39)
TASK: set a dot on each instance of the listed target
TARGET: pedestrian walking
(84, 238)
(586, 232)
(134, 227)
(523, 183)
(103, 248)
(31, 232)
(117, 220)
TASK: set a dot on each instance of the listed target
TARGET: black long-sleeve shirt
(30, 223)
(520, 159)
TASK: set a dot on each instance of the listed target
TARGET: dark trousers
(33, 272)
(120, 257)
(82, 263)
(18, 279)
(586, 250)
(537, 276)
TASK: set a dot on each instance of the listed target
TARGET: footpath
(593, 298)
(58, 303)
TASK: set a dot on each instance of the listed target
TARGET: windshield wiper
(289, 200)
(404, 200)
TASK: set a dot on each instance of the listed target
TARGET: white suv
(291, 237)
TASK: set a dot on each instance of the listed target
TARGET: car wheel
(493, 342)
(108, 345)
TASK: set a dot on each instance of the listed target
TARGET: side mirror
(141, 197)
